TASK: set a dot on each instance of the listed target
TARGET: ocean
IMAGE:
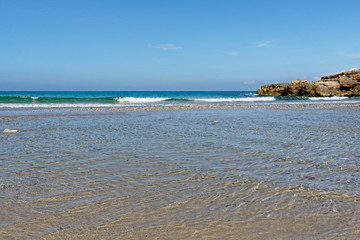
(46, 99)
(178, 165)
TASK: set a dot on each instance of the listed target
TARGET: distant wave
(33, 99)
(291, 98)
(179, 100)
(57, 105)
(140, 100)
(80, 99)
(36, 100)
(327, 98)
(244, 99)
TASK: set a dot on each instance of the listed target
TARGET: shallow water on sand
(255, 173)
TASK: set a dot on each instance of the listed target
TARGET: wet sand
(69, 177)
(197, 207)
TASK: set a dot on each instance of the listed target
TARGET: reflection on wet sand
(185, 204)
(172, 175)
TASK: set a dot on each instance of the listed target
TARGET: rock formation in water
(339, 84)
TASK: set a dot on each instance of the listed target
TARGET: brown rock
(307, 89)
(322, 91)
(299, 81)
(356, 90)
(347, 82)
(339, 84)
(354, 74)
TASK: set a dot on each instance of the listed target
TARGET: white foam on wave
(140, 100)
(327, 98)
(148, 101)
(34, 98)
(249, 99)
(57, 105)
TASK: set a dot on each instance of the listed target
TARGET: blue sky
(174, 45)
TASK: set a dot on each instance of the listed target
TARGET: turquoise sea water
(117, 97)
(79, 99)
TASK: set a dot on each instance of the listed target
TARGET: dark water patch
(179, 100)
(291, 98)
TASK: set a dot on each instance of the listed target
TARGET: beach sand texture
(260, 172)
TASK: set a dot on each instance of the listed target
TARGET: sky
(173, 45)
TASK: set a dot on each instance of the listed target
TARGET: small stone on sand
(10, 130)
(214, 122)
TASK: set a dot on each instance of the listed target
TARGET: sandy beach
(183, 172)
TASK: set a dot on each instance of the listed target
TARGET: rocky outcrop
(339, 84)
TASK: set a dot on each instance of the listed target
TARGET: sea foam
(327, 98)
(248, 99)
(58, 105)
(140, 100)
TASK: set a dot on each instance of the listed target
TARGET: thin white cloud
(264, 43)
(354, 55)
(249, 83)
(166, 46)
(348, 55)
(234, 54)
(350, 69)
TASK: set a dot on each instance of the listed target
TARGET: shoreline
(93, 111)
(186, 107)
